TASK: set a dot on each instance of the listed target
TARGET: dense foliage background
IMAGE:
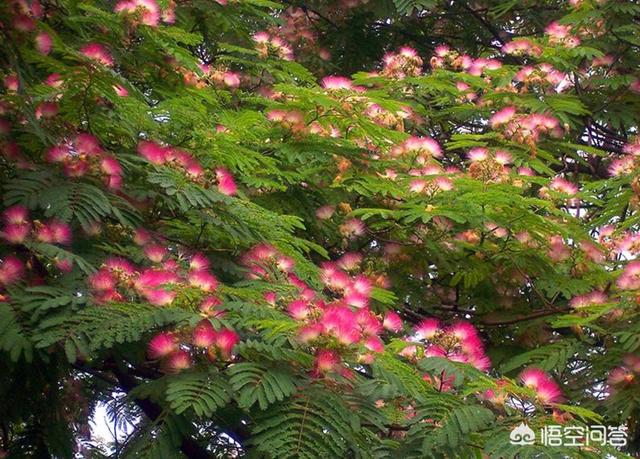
(318, 229)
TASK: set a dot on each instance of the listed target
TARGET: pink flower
(87, 144)
(374, 344)
(162, 345)
(630, 277)
(350, 260)
(423, 145)
(120, 91)
(547, 391)
(16, 233)
(562, 185)
(325, 212)
(153, 152)
(178, 361)
(155, 252)
(17, 215)
(159, 297)
(231, 79)
(61, 232)
(203, 334)
(199, 262)
(204, 280)
(298, 309)
(110, 166)
(11, 82)
(353, 227)
(102, 280)
(226, 340)
(46, 110)
(141, 236)
(98, 53)
(226, 183)
(151, 278)
(336, 82)
(588, 299)
(310, 332)
(44, 42)
(427, 329)
(502, 116)
(54, 80)
(11, 270)
(392, 321)
(326, 361)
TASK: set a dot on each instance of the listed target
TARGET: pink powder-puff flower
(198, 262)
(141, 236)
(225, 341)
(46, 110)
(178, 361)
(120, 91)
(630, 277)
(423, 145)
(231, 79)
(159, 297)
(152, 278)
(11, 270)
(204, 280)
(98, 53)
(562, 185)
(326, 361)
(102, 280)
(226, 182)
(336, 82)
(298, 309)
(374, 344)
(588, 299)
(325, 212)
(44, 43)
(350, 260)
(15, 215)
(155, 252)
(11, 82)
(392, 321)
(15, 233)
(428, 328)
(203, 334)
(353, 227)
(310, 332)
(152, 152)
(547, 391)
(110, 166)
(502, 116)
(162, 345)
(356, 299)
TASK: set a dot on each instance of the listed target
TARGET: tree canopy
(338, 229)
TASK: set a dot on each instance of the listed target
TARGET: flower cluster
(561, 35)
(629, 162)
(18, 227)
(147, 12)
(546, 389)
(488, 166)
(83, 155)
(177, 350)
(459, 342)
(267, 44)
(405, 63)
(542, 75)
(98, 53)
(118, 279)
(446, 57)
(185, 162)
(25, 16)
(522, 46)
(625, 375)
(344, 325)
(523, 128)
